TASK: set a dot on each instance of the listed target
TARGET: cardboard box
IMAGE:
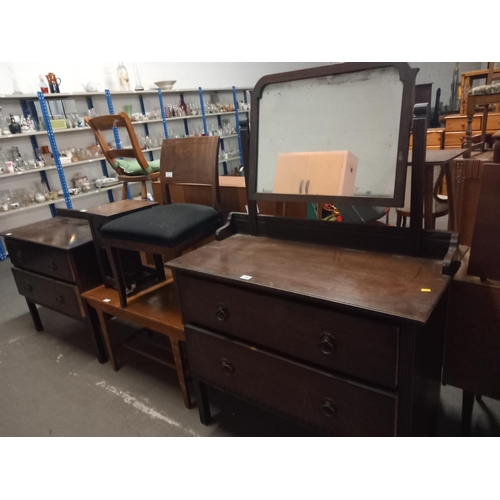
(331, 173)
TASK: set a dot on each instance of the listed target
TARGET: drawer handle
(327, 344)
(222, 313)
(28, 288)
(328, 407)
(52, 266)
(227, 367)
(60, 299)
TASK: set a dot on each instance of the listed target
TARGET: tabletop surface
(438, 156)
(393, 285)
(118, 207)
(58, 232)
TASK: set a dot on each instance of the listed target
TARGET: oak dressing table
(336, 326)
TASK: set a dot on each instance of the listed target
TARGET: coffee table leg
(93, 321)
(35, 316)
(103, 320)
(181, 372)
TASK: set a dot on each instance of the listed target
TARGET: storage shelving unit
(169, 128)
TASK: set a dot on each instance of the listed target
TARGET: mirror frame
(407, 75)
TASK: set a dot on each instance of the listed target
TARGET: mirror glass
(334, 135)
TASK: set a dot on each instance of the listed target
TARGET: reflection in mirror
(335, 135)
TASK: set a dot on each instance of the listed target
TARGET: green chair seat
(133, 167)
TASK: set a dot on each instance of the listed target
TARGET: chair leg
(103, 320)
(160, 267)
(467, 407)
(144, 191)
(124, 191)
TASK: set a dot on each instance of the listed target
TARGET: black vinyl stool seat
(167, 225)
(167, 230)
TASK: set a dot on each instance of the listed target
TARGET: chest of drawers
(346, 342)
(54, 262)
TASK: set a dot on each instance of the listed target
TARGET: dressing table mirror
(333, 325)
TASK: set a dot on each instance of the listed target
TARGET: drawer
(62, 297)
(41, 259)
(455, 139)
(354, 346)
(315, 398)
(459, 122)
(493, 123)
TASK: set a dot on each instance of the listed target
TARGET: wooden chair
(139, 169)
(483, 95)
(167, 230)
(439, 201)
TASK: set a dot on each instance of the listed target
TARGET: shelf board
(230, 159)
(44, 169)
(59, 200)
(114, 92)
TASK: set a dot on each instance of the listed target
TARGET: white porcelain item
(92, 87)
(165, 84)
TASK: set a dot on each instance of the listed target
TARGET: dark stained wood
(59, 232)
(259, 302)
(467, 407)
(389, 285)
(294, 390)
(156, 309)
(407, 76)
(56, 295)
(485, 249)
(191, 160)
(119, 208)
(55, 260)
(339, 342)
(472, 351)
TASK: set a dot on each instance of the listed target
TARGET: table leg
(93, 321)
(200, 390)
(103, 320)
(467, 406)
(181, 372)
(35, 316)
(428, 197)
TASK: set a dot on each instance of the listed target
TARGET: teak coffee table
(157, 310)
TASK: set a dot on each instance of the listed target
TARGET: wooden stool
(157, 310)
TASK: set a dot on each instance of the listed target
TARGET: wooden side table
(54, 262)
(156, 310)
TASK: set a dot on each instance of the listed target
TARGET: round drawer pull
(60, 299)
(52, 266)
(222, 313)
(327, 344)
(28, 288)
(227, 367)
(328, 407)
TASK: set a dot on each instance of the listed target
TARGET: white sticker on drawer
(245, 277)
(169, 174)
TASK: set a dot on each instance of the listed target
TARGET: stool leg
(181, 372)
(124, 191)
(467, 407)
(144, 192)
(160, 267)
(117, 270)
(103, 320)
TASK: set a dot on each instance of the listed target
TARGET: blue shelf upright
(163, 116)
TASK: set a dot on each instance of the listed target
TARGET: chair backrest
(108, 122)
(190, 161)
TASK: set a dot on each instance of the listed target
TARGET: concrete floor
(51, 384)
